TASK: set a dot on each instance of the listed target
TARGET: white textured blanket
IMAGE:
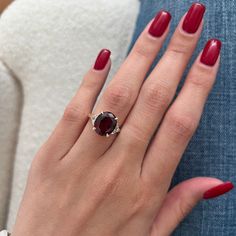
(46, 46)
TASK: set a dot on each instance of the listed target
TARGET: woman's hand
(81, 183)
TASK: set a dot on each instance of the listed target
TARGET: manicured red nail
(193, 18)
(211, 52)
(102, 59)
(160, 24)
(218, 190)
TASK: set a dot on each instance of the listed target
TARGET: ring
(105, 123)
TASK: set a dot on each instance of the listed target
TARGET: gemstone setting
(105, 124)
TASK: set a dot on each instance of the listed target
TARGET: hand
(81, 183)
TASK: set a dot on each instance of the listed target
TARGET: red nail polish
(102, 59)
(193, 18)
(218, 190)
(160, 23)
(211, 52)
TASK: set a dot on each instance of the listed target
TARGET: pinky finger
(182, 199)
(76, 113)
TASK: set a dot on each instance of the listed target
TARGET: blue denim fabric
(212, 150)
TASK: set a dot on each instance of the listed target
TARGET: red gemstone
(105, 123)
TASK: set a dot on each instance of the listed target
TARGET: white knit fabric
(49, 45)
(4, 233)
(10, 102)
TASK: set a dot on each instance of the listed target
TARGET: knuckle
(89, 83)
(177, 50)
(157, 96)
(118, 96)
(181, 44)
(143, 49)
(73, 113)
(200, 82)
(181, 125)
(202, 77)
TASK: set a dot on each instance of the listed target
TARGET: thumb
(181, 200)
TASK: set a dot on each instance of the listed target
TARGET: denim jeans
(212, 150)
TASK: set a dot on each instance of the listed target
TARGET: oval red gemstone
(105, 123)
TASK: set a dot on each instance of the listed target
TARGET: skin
(83, 184)
(4, 4)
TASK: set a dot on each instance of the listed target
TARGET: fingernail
(102, 59)
(160, 24)
(218, 190)
(211, 52)
(193, 18)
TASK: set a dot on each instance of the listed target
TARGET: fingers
(123, 90)
(160, 87)
(182, 199)
(182, 118)
(75, 115)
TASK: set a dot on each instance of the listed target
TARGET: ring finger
(123, 90)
